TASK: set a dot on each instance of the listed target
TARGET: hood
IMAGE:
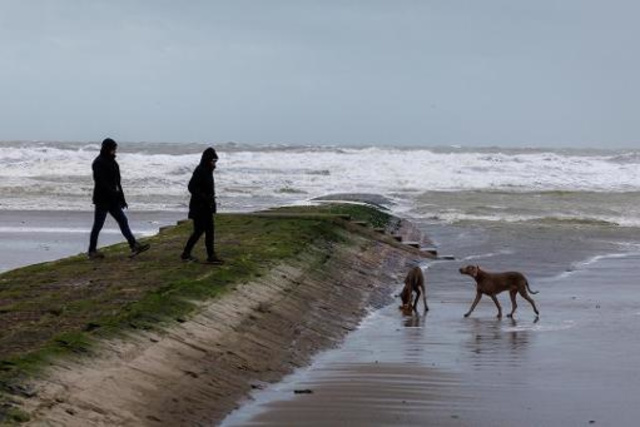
(208, 155)
(108, 145)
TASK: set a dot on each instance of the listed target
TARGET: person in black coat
(108, 197)
(202, 206)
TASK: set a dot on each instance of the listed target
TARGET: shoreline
(28, 237)
(255, 334)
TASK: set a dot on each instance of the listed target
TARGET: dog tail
(526, 282)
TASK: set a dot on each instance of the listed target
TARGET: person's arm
(214, 203)
(196, 187)
(120, 192)
(122, 200)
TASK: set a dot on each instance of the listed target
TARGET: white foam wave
(487, 255)
(579, 266)
(458, 217)
(158, 180)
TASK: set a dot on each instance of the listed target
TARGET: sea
(449, 184)
(569, 219)
(570, 193)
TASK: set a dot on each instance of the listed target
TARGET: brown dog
(414, 282)
(493, 283)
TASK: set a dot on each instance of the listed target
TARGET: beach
(574, 366)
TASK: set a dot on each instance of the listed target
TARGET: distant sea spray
(449, 183)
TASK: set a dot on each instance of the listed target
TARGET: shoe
(188, 258)
(95, 255)
(214, 260)
(138, 248)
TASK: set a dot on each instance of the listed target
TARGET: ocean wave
(387, 168)
(289, 190)
(627, 158)
(153, 171)
(579, 266)
(467, 218)
(597, 258)
(560, 220)
(487, 255)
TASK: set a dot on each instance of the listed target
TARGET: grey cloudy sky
(490, 72)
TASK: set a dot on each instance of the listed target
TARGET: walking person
(202, 207)
(108, 197)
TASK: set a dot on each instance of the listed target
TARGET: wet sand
(576, 366)
(28, 237)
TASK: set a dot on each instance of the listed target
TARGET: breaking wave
(431, 182)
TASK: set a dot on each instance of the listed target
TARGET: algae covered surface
(64, 307)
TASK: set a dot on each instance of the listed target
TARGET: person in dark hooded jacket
(202, 206)
(108, 198)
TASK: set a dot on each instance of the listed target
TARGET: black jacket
(202, 189)
(107, 191)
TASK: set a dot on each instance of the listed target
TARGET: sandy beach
(575, 366)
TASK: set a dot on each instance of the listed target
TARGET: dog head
(470, 270)
(405, 296)
(406, 309)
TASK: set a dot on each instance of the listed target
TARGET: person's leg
(198, 229)
(208, 236)
(99, 216)
(123, 222)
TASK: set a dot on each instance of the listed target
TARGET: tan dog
(493, 283)
(414, 282)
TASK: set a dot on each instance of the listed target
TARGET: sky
(395, 72)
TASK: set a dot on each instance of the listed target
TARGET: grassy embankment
(63, 308)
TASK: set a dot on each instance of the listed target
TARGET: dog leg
(528, 298)
(475, 302)
(495, 300)
(424, 300)
(512, 294)
(415, 302)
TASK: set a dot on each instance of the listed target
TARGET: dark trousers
(201, 224)
(100, 216)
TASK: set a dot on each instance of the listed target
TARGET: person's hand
(125, 205)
